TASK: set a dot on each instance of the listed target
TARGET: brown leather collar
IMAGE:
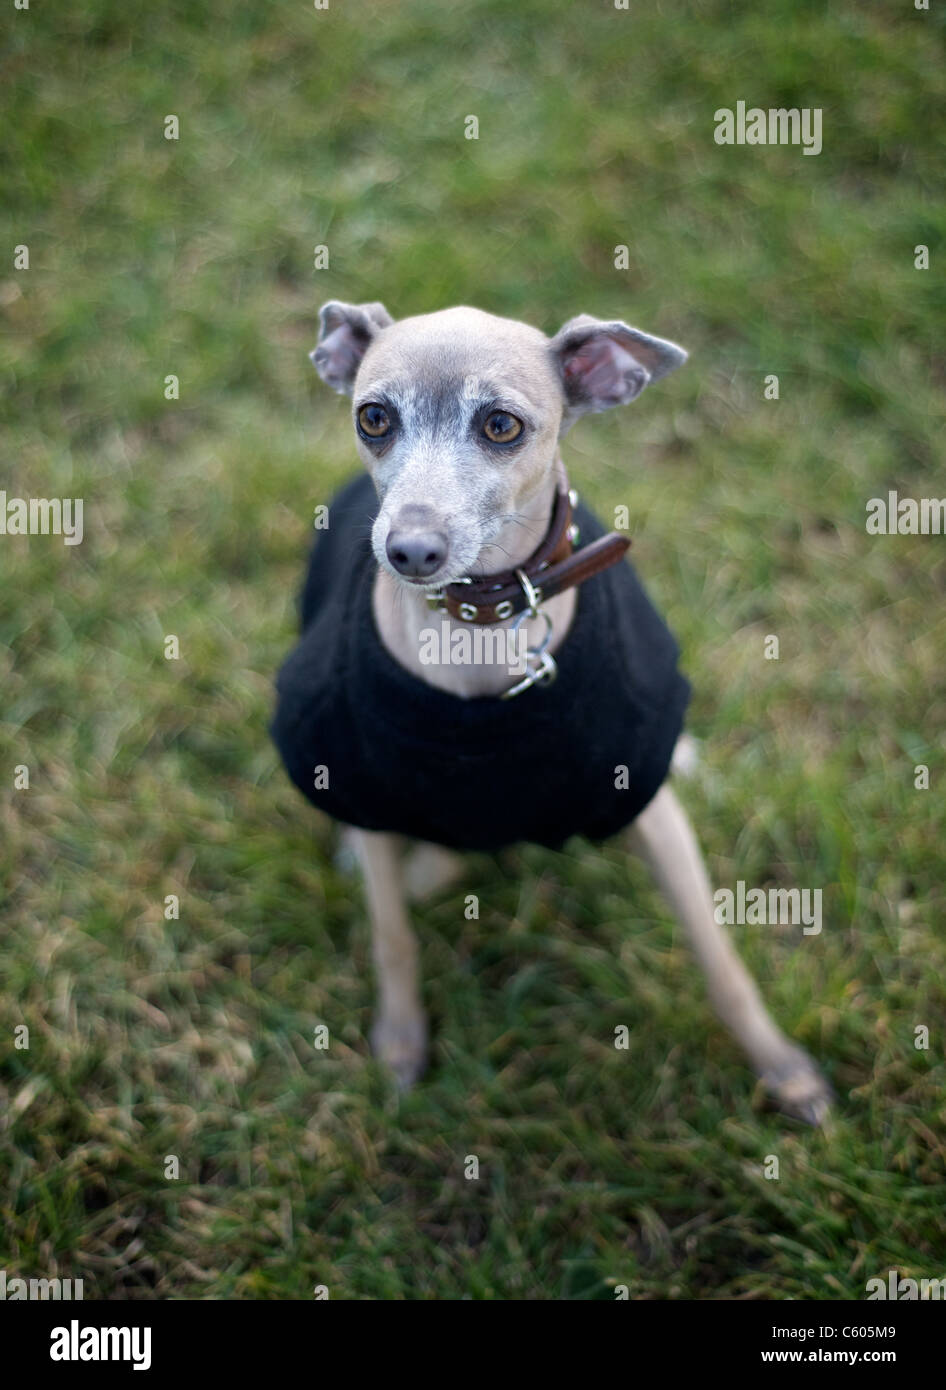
(556, 565)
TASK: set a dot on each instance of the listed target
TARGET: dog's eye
(502, 428)
(374, 421)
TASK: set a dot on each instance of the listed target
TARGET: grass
(193, 1036)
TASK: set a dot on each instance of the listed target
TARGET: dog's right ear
(345, 330)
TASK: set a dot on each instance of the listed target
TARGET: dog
(464, 526)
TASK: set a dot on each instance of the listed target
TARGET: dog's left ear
(345, 330)
(608, 363)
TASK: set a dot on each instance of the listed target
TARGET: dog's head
(457, 416)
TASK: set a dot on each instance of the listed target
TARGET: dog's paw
(798, 1088)
(402, 1045)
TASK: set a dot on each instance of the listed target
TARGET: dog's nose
(416, 553)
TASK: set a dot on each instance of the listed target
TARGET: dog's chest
(466, 661)
(373, 745)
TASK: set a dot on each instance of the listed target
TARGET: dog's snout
(416, 554)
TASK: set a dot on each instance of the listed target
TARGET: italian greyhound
(458, 417)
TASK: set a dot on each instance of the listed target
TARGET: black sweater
(478, 773)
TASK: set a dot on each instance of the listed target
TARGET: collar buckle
(436, 599)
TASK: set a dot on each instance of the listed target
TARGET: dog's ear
(606, 363)
(345, 330)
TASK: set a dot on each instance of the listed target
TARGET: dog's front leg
(399, 1033)
(664, 838)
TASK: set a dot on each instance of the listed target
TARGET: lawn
(153, 1035)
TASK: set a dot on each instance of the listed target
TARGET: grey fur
(440, 373)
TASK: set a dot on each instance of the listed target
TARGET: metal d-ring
(539, 613)
(533, 595)
(542, 668)
(543, 674)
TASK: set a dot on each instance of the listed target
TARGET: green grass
(149, 777)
